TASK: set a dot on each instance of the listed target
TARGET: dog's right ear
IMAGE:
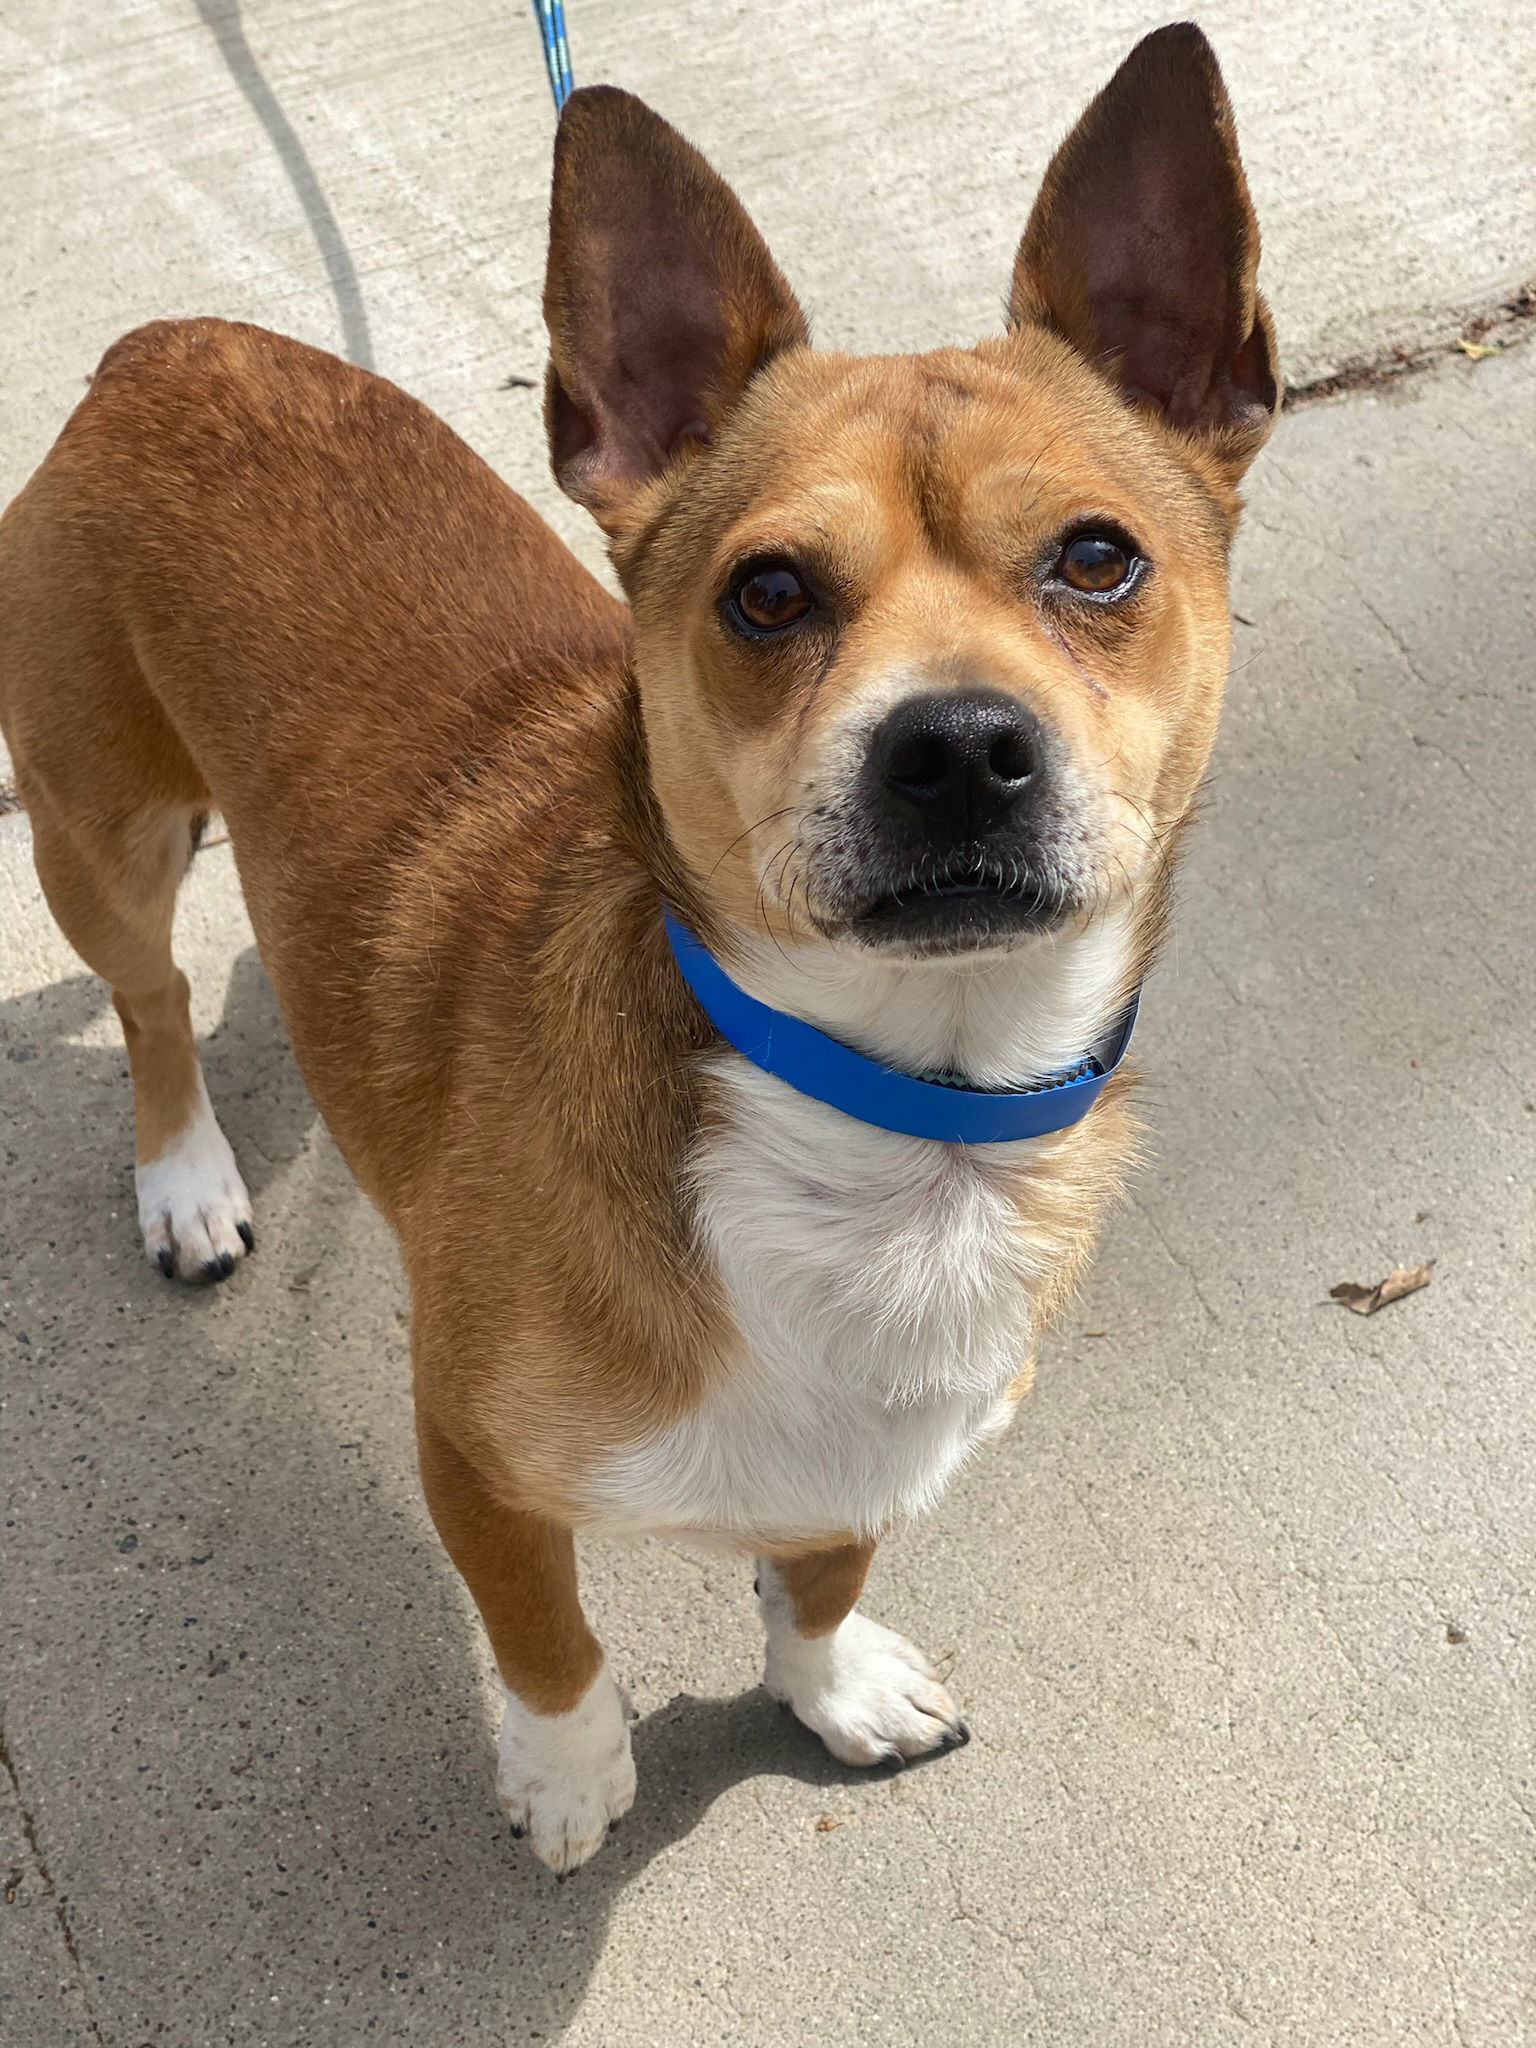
(661, 300)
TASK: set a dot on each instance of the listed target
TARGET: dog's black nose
(960, 764)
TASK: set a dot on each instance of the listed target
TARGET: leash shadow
(222, 18)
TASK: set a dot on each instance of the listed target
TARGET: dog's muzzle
(954, 837)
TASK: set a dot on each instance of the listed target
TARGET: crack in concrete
(45, 1880)
(1289, 1555)
(1436, 1929)
(1227, 1976)
(1402, 647)
(1176, 1258)
(1009, 1937)
(1091, 1517)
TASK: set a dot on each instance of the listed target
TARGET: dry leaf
(1400, 1281)
(1477, 350)
(827, 1823)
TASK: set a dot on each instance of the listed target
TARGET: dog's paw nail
(518, 1831)
(246, 1235)
(872, 1698)
(193, 1208)
(614, 1826)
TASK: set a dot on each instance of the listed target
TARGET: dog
(721, 994)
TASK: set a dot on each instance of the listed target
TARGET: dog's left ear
(1143, 250)
(661, 298)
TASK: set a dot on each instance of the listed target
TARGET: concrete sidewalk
(1241, 1613)
(373, 177)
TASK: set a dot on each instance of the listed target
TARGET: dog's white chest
(882, 1290)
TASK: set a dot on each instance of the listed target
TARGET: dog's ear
(661, 300)
(1143, 250)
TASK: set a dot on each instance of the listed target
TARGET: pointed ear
(1143, 249)
(661, 300)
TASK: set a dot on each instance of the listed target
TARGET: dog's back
(403, 602)
(405, 622)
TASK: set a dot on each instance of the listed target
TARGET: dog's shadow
(311, 1738)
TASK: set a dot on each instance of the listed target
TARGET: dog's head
(930, 648)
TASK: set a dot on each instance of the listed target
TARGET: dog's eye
(768, 598)
(1097, 564)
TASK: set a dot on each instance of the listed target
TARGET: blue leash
(550, 15)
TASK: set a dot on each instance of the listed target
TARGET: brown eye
(1096, 563)
(768, 598)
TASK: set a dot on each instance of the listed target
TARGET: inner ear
(1143, 249)
(661, 298)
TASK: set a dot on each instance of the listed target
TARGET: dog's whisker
(784, 811)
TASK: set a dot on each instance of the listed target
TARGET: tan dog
(920, 675)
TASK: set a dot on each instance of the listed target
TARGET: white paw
(564, 1779)
(866, 1691)
(193, 1208)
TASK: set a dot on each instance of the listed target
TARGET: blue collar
(860, 1087)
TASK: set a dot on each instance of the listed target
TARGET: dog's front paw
(193, 1208)
(564, 1779)
(869, 1695)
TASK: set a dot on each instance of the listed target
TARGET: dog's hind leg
(866, 1691)
(112, 886)
(114, 799)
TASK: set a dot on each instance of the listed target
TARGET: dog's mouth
(959, 907)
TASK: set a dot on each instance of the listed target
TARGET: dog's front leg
(869, 1695)
(565, 1772)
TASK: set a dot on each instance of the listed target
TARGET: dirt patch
(1489, 331)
